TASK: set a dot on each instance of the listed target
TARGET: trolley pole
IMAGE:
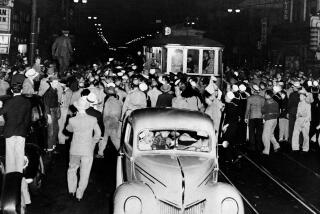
(33, 31)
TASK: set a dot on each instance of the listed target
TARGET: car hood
(174, 178)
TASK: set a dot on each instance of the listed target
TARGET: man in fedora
(86, 133)
(253, 117)
(28, 83)
(62, 51)
(165, 99)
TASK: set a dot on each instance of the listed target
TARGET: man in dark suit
(62, 51)
(17, 114)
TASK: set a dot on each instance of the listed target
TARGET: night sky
(124, 20)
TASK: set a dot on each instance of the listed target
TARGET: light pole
(33, 36)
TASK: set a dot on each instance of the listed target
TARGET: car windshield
(187, 140)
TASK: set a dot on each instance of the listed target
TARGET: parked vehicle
(34, 149)
(168, 163)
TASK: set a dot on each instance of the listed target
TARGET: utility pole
(33, 31)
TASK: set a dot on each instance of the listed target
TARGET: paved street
(283, 183)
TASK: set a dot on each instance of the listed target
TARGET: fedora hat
(31, 73)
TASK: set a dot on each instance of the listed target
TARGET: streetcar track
(302, 165)
(243, 197)
(310, 207)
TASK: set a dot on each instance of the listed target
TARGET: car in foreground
(168, 164)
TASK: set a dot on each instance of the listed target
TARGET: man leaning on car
(17, 114)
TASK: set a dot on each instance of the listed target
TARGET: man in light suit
(82, 147)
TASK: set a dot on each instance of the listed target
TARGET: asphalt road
(281, 183)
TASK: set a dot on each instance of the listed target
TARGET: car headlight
(229, 206)
(133, 205)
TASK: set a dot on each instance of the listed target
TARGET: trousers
(300, 126)
(292, 120)
(15, 162)
(255, 133)
(85, 164)
(268, 136)
(61, 122)
(63, 64)
(114, 135)
(283, 129)
(53, 128)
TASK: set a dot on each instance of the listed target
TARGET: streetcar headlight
(133, 205)
(229, 206)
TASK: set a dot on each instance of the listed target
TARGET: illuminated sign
(7, 3)
(4, 43)
(5, 15)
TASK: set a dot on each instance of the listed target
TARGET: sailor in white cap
(302, 123)
(253, 117)
(231, 125)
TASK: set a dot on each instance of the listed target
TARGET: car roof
(170, 118)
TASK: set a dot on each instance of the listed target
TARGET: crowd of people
(246, 108)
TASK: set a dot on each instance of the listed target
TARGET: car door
(127, 152)
(38, 130)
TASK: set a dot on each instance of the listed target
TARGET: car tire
(36, 185)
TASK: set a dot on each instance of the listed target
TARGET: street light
(95, 17)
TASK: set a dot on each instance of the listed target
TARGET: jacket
(28, 86)
(17, 115)
(164, 100)
(304, 111)
(135, 99)
(62, 47)
(270, 109)
(83, 126)
(254, 107)
(294, 99)
(4, 86)
(112, 113)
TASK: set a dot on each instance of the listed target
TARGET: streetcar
(185, 50)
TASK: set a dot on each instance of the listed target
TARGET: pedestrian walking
(17, 114)
(86, 133)
(254, 119)
(111, 119)
(270, 113)
(293, 102)
(302, 123)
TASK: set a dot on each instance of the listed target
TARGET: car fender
(138, 189)
(217, 192)
(10, 201)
